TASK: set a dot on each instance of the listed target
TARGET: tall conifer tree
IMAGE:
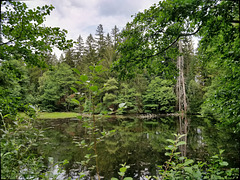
(115, 34)
(90, 51)
(101, 43)
(79, 49)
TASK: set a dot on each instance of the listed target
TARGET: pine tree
(115, 34)
(79, 50)
(90, 57)
(69, 57)
(100, 39)
(61, 58)
(109, 40)
(51, 59)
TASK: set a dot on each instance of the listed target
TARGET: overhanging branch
(20, 35)
(178, 37)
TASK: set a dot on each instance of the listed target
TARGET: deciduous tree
(153, 34)
(24, 39)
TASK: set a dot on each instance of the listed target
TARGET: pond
(138, 142)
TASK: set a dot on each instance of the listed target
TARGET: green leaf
(94, 88)
(113, 131)
(98, 68)
(91, 68)
(180, 136)
(215, 156)
(82, 175)
(79, 82)
(84, 78)
(103, 133)
(188, 169)
(76, 101)
(65, 162)
(187, 162)
(221, 151)
(121, 173)
(197, 174)
(114, 178)
(128, 178)
(223, 163)
(87, 156)
(79, 117)
(123, 169)
(74, 89)
(181, 158)
(180, 143)
(171, 141)
(76, 70)
(177, 153)
(170, 147)
(168, 154)
(83, 142)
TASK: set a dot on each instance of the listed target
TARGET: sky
(82, 17)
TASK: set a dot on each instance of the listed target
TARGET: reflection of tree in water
(182, 100)
(183, 129)
(205, 139)
(138, 142)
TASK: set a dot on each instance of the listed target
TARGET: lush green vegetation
(132, 71)
(212, 73)
(51, 115)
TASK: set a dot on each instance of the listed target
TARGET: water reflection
(138, 142)
(183, 129)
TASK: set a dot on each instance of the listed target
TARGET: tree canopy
(148, 43)
(154, 32)
(25, 37)
(152, 37)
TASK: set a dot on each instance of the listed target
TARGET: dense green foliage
(54, 87)
(19, 156)
(49, 89)
(222, 97)
(153, 35)
(180, 167)
(159, 96)
(14, 82)
(146, 45)
(24, 35)
(24, 41)
(133, 71)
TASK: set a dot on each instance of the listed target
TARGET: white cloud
(81, 17)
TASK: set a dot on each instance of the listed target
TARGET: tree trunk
(182, 100)
(181, 91)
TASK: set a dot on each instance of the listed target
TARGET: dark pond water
(138, 142)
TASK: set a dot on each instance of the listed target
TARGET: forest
(148, 67)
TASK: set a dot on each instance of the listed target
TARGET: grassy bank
(53, 115)
(59, 115)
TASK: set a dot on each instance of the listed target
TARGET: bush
(159, 97)
(19, 157)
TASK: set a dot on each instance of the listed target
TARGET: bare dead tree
(182, 98)
(181, 90)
